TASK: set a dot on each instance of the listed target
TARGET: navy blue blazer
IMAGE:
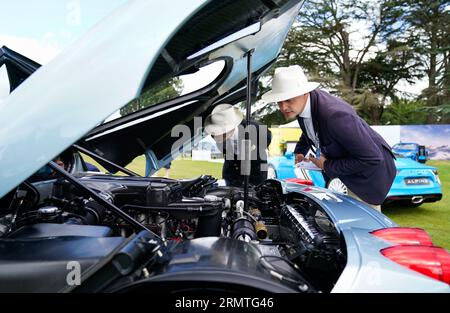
(355, 153)
(231, 170)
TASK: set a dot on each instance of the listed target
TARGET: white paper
(310, 166)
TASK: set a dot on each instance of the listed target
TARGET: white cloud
(202, 78)
(414, 89)
(40, 50)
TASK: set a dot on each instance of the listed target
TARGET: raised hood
(140, 44)
(18, 67)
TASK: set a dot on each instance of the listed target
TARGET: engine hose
(202, 209)
(94, 213)
(243, 229)
(209, 215)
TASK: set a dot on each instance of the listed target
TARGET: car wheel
(338, 186)
(271, 172)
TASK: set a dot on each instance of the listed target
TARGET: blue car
(411, 150)
(414, 184)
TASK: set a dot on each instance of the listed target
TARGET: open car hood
(18, 67)
(136, 47)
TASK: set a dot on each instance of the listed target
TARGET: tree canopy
(362, 51)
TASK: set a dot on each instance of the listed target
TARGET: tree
(161, 92)
(428, 22)
(342, 35)
(326, 43)
(380, 75)
(405, 112)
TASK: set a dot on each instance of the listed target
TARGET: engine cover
(145, 191)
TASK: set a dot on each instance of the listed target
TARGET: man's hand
(318, 162)
(299, 157)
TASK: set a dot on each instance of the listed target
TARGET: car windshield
(405, 146)
(172, 88)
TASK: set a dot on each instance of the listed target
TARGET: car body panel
(407, 168)
(284, 166)
(345, 211)
(368, 271)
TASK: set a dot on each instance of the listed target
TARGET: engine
(289, 226)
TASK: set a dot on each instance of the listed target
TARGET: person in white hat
(344, 146)
(226, 125)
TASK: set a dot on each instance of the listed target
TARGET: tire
(271, 172)
(336, 185)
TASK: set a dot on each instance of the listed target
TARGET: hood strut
(103, 160)
(160, 246)
(246, 165)
(96, 197)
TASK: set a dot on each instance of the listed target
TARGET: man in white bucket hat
(227, 127)
(344, 146)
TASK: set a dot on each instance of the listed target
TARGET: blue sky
(429, 135)
(41, 29)
(25, 18)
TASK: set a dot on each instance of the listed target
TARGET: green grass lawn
(184, 168)
(181, 168)
(433, 217)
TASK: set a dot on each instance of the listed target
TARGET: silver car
(66, 226)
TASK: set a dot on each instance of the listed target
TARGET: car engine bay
(290, 230)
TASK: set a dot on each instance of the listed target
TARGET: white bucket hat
(287, 83)
(223, 118)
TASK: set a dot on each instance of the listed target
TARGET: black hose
(209, 215)
(200, 208)
(37, 196)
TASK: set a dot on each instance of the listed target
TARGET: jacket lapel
(314, 100)
(303, 127)
(314, 109)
